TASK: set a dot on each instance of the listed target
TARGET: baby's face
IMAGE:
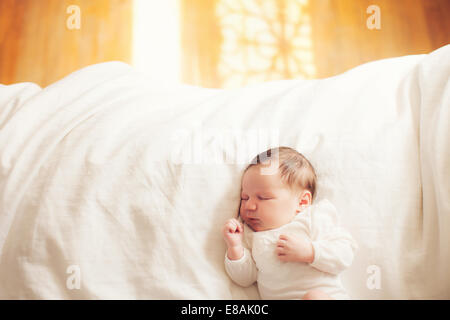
(266, 203)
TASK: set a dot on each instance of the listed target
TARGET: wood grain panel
(37, 46)
(342, 40)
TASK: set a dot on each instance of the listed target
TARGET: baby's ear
(306, 198)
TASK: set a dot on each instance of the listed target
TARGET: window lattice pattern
(264, 40)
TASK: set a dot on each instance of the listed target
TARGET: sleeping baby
(291, 246)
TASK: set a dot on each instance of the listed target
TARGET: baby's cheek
(272, 218)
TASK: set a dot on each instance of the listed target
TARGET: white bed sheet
(109, 174)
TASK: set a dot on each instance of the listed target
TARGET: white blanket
(114, 187)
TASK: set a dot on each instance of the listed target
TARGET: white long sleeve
(242, 271)
(334, 250)
(334, 247)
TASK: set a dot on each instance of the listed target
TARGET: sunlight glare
(156, 49)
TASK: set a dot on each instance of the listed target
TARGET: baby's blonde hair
(295, 170)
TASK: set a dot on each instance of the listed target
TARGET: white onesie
(334, 249)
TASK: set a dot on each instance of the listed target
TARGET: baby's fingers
(229, 227)
(280, 250)
(233, 228)
(281, 253)
(240, 226)
(283, 237)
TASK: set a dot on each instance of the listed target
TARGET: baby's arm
(239, 263)
(333, 246)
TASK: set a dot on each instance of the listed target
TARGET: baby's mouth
(254, 224)
(253, 220)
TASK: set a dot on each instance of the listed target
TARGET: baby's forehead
(256, 180)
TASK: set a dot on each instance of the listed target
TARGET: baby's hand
(233, 232)
(295, 249)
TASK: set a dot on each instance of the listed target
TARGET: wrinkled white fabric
(334, 249)
(113, 181)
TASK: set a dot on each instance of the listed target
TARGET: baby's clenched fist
(233, 233)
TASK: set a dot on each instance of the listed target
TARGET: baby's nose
(250, 205)
(251, 211)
